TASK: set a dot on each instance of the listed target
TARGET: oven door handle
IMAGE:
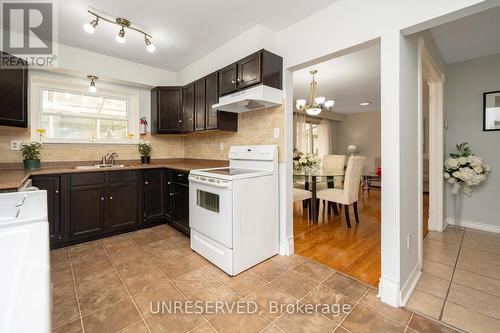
(195, 180)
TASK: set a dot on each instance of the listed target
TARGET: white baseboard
(287, 248)
(410, 285)
(388, 291)
(475, 225)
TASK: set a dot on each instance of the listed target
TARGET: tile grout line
(409, 321)
(452, 276)
(355, 305)
(126, 288)
(76, 290)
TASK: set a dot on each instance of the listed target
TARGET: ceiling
(349, 80)
(183, 31)
(468, 38)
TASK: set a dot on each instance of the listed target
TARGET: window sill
(90, 143)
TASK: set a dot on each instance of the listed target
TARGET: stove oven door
(211, 209)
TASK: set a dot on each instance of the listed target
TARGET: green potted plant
(145, 151)
(31, 155)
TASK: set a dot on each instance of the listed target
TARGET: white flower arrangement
(464, 169)
(301, 160)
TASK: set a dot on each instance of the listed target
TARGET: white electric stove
(233, 211)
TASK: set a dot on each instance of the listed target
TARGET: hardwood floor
(355, 251)
(425, 214)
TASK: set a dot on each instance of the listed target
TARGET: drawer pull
(169, 183)
(171, 194)
(110, 198)
(102, 198)
(57, 191)
(146, 183)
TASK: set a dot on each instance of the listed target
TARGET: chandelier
(316, 103)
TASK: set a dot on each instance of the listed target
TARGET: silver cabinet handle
(232, 81)
(180, 120)
(146, 183)
(110, 198)
(238, 79)
(180, 175)
(57, 191)
(102, 198)
(171, 194)
(169, 183)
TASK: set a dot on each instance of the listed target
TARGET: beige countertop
(12, 178)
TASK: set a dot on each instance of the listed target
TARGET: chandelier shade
(316, 103)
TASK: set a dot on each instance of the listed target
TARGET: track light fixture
(92, 87)
(123, 23)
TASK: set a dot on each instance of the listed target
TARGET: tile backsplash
(254, 127)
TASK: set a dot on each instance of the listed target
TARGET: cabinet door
(123, 205)
(87, 211)
(13, 94)
(199, 105)
(227, 79)
(181, 208)
(188, 108)
(51, 184)
(169, 110)
(249, 71)
(211, 98)
(154, 195)
(169, 200)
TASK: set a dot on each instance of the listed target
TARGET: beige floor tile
(96, 266)
(449, 236)
(216, 272)
(269, 270)
(210, 295)
(245, 283)
(467, 320)
(295, 284)
(115, 243)
(64, 310)
(173, 322)
(233, 322)
(314, 271)
(475, 300)
(88, 247)
(149, 299)
(176, 266)
(139, 327)
(478, 282)
(128, 254)
(269, 300)
(272, 329)
(59, 260)
(433, 285)
(288, 261)
(96, 281)
(340, 305)
(482, 240)
(160, 249)
(62, 277)
(346, 285)
(440, 252)
(112, 318)
(437, 269)
(424, 325)
(479, 267)
(194, 281)
(426, 304)
(138, 275)
(362, 320)
(100, 298)
(205, 328)
(371, 300)
(487, 257)
(73, 327)
(299, 322)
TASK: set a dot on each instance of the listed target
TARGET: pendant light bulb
(120, 38)
(92, 87)
(149, 46)
(90, 27)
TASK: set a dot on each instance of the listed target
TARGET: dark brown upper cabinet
(227, 79)
(211, 98)
(13, 94)
(166, 110)
(199, 105)
(188, 108)
(262, 67)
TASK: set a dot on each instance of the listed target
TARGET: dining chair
(332, 162)
(304, 196)
(349, 194)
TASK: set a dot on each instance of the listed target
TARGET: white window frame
(61, 83)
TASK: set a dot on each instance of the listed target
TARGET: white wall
(363, 130)
(464, 87)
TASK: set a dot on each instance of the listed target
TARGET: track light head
(149, 46)
(90, 27)
(92, 87)
(120, 37)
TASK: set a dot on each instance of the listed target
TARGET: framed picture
(491, 111)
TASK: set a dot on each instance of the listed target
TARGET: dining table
(311, 178)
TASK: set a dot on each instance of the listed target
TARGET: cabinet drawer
(88, 178)
(123, 176)
(180, 177)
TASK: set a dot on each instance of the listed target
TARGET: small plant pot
(31, 164)
(145, 159)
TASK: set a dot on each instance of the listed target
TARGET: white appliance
(233, 211)
(255, 98)
(24, 262)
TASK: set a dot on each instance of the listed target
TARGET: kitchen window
(73, 115)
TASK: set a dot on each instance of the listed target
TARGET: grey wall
(362, 130)
(463, 97)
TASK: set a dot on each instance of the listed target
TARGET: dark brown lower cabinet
(123, 200)
(154, 195)
(179, 197)
(51, 184)
(87, 211)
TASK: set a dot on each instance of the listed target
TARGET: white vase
(458, 203)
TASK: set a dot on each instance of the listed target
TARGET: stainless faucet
(109, 159)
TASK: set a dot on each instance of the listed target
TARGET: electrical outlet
(15, 145)
(276, 133)
(408, 241)
(221, 146)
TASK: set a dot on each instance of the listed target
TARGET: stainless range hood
(255, 98)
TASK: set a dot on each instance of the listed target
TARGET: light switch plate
(276, 133)
(15, 145)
